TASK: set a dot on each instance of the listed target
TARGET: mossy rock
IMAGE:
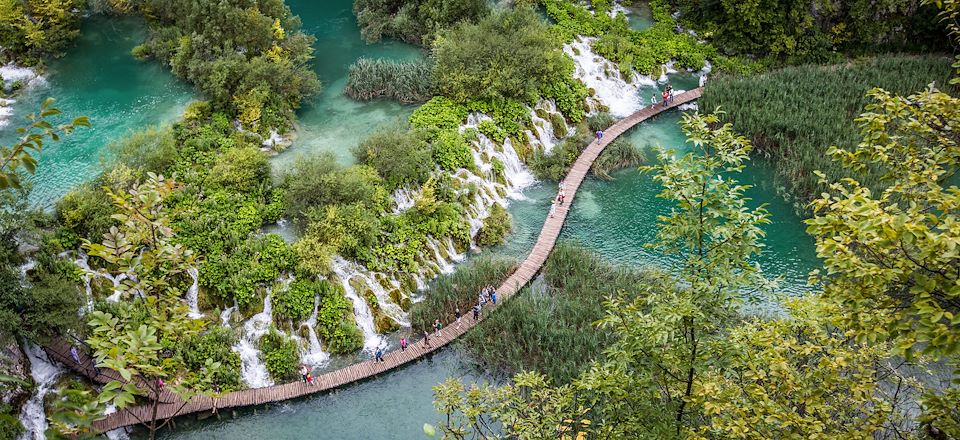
(407, 283)
(542, 114)
(385, 324)
(401, 299)
(502, 191)
(559, 125)
(591, 92)
(384, 281)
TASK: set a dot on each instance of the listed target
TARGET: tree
(890, 258)
(138, 337)
(31, 139)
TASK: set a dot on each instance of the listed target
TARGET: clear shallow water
(331, 121)
(394, 405)
(99, 79)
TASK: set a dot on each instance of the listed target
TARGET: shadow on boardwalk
(363, 370)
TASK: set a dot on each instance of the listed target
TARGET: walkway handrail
(363, 370)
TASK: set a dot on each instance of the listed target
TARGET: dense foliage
(403, 157)
(281, 355)
(495, 227)
(335, 325)
(814, 30)
(248, 57)
(404, 81)
(414, 21)
(216, 344)
(506, 56)
(33, 29)
(796, 114)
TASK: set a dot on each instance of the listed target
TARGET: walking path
(363, 370)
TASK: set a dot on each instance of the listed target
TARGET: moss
(385, 324)
(495, 227)
(559, 125)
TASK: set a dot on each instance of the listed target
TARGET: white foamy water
(119, 433)
(344, 271)
(44, 374)
(12, 73)
(314, 355)
(193, 293)
(252, 369)
(603, 76)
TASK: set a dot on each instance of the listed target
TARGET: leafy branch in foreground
(31, 141)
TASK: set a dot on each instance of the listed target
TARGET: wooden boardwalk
(363, 370)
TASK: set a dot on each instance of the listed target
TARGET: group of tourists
(667, 95)
(306, 374)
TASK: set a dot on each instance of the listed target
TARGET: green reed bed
(795, 114)
(459, 289)
(405, 81)
(551, 329)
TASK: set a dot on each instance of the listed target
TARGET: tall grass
(405, 81)
(795, 114)
(552, 330)
(459, 289)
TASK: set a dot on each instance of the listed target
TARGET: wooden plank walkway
(363, 370)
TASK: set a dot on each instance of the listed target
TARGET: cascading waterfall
(252, 369)
(603, 76)
(193, 293)
(314, 355)
(403, 199)
(361, 311)
(119, 433)
(12, 73)
(44, 374)
(82, 261)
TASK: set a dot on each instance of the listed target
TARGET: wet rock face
(14, 363)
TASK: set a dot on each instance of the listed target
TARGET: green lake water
(615, 218)
(99, 79)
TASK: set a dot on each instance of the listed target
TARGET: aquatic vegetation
(405, 81)
(795, 114)
(621, 153)
(459, 289)
(495, 227)
(414, 21)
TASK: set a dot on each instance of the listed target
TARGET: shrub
(280, 354)
(45, 309)
(554, 166)
(215, 344)
(437, 114)
(318, 181)
(414, 21)
(296, 301)
(495, 227)
(334, 326)
(239, 170)
(10, 427)
(401, 156)
(150, 149)
(450, 151)
(404, 81)
(600, 121)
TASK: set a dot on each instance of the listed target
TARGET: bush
(86, 211)
(401, 156)
(459, 289)
(318, 181)
(150, 149)
(45, 309)
(600, 121)
(450, 151)
(281, 355)
(437, 114)
(404, 81)
(239, 170)
(215, 344)
(296, 301)
(334, 326)
(10, 427)
(508, 55)
(414, 21)
(495, 227)
(554, 166)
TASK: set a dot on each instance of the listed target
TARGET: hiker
(703, 80)
(403, 345)
(493, 296)
(75, 354)
(159, 385)
(458, 314)
(553, 208)
(426, 338)
(437, 326)
(666, 97)
(476, 312)
(482, 297)
(561, 196)
(303, 372)
(309, 377)
(670, 94)
(378, 356)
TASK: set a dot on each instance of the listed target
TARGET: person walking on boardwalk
(75, 354)
(309, 377)
(553, 208)
(437, 326)
(476, 312)
(599, 135)
(459, 315)
(561, 196)
(378, 356)
(669, 94)
(666, 97)
(303, 372)
(403, 345)
(426, 338)
(493, 296)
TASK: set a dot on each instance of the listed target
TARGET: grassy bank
(795, 114)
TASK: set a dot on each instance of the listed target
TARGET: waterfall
(314, 355)
(604, 78)
(119, 433)
(82, 261)
(193, 292)
(12, 73)
(361, 311)
(227, 313)
(252, 368)
(403, 199)
(44, 374)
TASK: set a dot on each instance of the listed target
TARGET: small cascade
(603, 76)
(361, 311)
(227, 313)
(193, 293)
(545, 136)
(11, 73)
(314, 356)
(82, 261)
(44, 374)
(25, 269)
(252, 369)
(119, 433)
(403, 199)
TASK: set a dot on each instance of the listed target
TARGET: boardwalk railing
(363, 370)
